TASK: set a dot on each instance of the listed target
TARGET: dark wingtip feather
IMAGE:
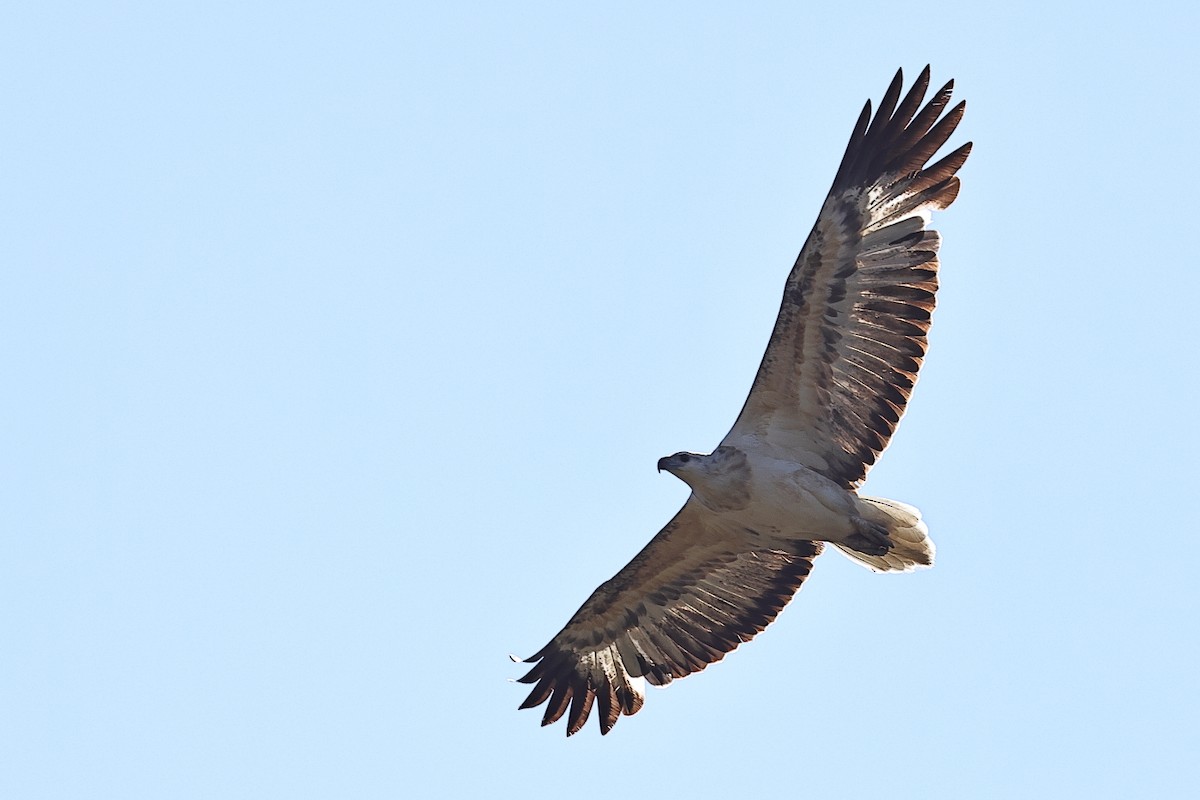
(558, 703)
(944, 167)
(888, 103)
(853, 147)
(533, 675)
(948, 194)
(631, 701)
(608, 707)
(539, 694)
(864, 117)
(581, 707)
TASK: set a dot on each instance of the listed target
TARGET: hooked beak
(662, 463)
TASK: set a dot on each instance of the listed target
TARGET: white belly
(790, 501)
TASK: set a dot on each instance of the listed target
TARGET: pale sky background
(339, 343)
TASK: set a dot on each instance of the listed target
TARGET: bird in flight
(838, 371)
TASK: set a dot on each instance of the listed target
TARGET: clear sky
(339, 342)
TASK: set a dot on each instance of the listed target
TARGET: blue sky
(339, 345)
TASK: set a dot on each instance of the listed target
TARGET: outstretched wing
(693, 594)
(850, 336)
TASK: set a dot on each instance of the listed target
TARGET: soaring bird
(838, 371)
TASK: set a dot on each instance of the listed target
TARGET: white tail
(911, 546)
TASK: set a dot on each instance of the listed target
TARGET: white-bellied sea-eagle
(839, 368)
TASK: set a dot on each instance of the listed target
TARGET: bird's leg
(869, 538)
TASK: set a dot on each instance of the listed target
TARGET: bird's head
(683, 465)
(720, 479)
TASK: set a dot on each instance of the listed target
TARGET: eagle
(835, 379)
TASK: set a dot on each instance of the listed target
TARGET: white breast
(792, 501)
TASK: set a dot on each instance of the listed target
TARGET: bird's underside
(834, 381)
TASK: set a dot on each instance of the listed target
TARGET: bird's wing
(693, 594)
(850, 336)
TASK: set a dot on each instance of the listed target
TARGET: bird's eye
(684, 458)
